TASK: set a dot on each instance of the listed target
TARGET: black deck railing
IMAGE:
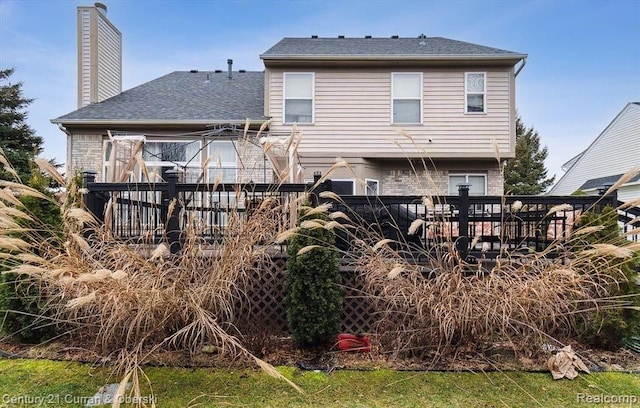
(495, 223)
(142, 212)
(160, 212)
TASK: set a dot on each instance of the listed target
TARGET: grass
(176, 387)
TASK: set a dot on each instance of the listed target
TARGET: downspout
(69, 150)
(524, 62)
(63, 129)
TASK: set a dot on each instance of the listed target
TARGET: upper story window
(406, 91)
(298, 97)
(475, 92)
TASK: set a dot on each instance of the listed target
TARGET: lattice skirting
(264, 308)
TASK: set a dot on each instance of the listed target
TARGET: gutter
(62, 122)
(524, 62)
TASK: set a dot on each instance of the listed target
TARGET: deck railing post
(173, 216)
(612, 197)
(462, 243)
(319, 188)
(91, 201)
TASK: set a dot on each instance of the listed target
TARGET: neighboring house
(387, 106)
(614, 152)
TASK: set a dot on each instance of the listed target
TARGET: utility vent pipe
(230, 64)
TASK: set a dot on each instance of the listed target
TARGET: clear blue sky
(583, 65)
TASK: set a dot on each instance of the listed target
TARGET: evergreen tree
(526, 173)
(313, 292)
(17, 138)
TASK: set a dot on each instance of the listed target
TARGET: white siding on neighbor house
(353, 115)
(629, 192)
(615, 151)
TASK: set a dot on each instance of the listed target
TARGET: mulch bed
(282, 351)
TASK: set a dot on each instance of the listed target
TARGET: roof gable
(181, 96)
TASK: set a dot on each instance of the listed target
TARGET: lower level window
(343, 187)
(223, 161)
(478, 183)
(372, 187)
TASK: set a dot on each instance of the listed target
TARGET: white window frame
(284, 97)
(213, 163)
(353, 183)
(366, 186)
(393, 98)
(466, 178)
(196, 163)
(119, 138)
(467, 93)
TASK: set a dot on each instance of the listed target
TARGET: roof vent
(218, 71)
(367, 36)
(394, 36)
(314, 36)
(341, 36)
(423, 39)
(242, 71)
(207, 80)
(194, 71)
(230, 64)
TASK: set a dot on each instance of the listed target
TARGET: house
(614, 152)
(181, 121)
(409, 115)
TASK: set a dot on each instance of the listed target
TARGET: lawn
(67, 384)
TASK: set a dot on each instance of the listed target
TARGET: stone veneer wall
(84, 152)
(432, 182)
(255, 169)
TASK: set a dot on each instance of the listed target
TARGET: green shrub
(313, 292)
(23, 311)
(605, 328)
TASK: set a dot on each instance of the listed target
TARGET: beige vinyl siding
(614, 151)
(84, 57)
(353, 115)
(109, 60)
(99, 57)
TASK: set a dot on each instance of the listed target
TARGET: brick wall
(84, 152)
(252, 165)
(406, 181)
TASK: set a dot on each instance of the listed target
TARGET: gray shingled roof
(600, 181)
(182, 96)
(433, 46)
